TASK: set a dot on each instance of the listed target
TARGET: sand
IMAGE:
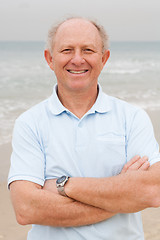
(10, 230)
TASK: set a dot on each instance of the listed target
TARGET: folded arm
(36, 205)
(125, 193)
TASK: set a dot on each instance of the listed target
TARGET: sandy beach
(10, 230)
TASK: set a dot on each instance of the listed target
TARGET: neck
(80, 102)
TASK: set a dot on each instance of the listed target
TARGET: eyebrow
(88, 45)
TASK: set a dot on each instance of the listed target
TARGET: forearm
(125, 193)
(44, 207)
(64, 212)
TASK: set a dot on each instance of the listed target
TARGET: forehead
(77, 31)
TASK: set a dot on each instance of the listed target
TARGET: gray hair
(53, 30)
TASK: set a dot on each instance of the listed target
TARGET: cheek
(95, 63)
(60, 62)
(97, 67)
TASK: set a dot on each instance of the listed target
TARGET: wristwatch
(60, 183)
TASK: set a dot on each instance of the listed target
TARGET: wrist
(68, 187)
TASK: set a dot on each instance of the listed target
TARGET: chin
(79, 86)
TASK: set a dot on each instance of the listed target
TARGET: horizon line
(43, 41)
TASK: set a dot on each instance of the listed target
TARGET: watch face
(61, 179)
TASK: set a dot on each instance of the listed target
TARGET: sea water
(132, 73)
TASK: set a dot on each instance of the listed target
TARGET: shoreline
(10, 229)
(5, 153)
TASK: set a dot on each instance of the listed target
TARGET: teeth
(77, 72)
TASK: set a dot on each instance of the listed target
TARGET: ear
(105, 57)
(48, 58)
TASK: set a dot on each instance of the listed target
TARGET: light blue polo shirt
(49, 141)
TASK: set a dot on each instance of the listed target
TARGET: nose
(77, 58)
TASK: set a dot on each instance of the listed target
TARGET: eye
(88, 50)
(67, 50)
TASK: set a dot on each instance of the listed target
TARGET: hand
(50, 185)
(136, 163)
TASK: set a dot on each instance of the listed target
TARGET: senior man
(78, 167)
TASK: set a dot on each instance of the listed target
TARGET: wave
(131, 66)
(123, 71)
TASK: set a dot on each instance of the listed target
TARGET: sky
(124, 20)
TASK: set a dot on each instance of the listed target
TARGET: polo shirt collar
(102, 104)
(55, 105)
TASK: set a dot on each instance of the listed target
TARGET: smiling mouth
(77, 72)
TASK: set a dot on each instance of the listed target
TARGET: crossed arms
(91, 200)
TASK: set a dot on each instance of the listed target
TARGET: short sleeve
(141, 140)
(27, 159)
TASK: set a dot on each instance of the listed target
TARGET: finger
(130, 163)
(138, 163)
(145, 166)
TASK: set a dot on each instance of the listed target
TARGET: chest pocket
(111, 153)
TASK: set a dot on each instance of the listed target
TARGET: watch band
(61, 191)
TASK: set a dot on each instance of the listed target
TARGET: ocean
(132, 74)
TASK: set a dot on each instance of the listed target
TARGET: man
(98, 141)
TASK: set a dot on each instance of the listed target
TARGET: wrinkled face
(77, 58)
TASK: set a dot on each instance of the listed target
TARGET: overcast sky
(124, 20)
